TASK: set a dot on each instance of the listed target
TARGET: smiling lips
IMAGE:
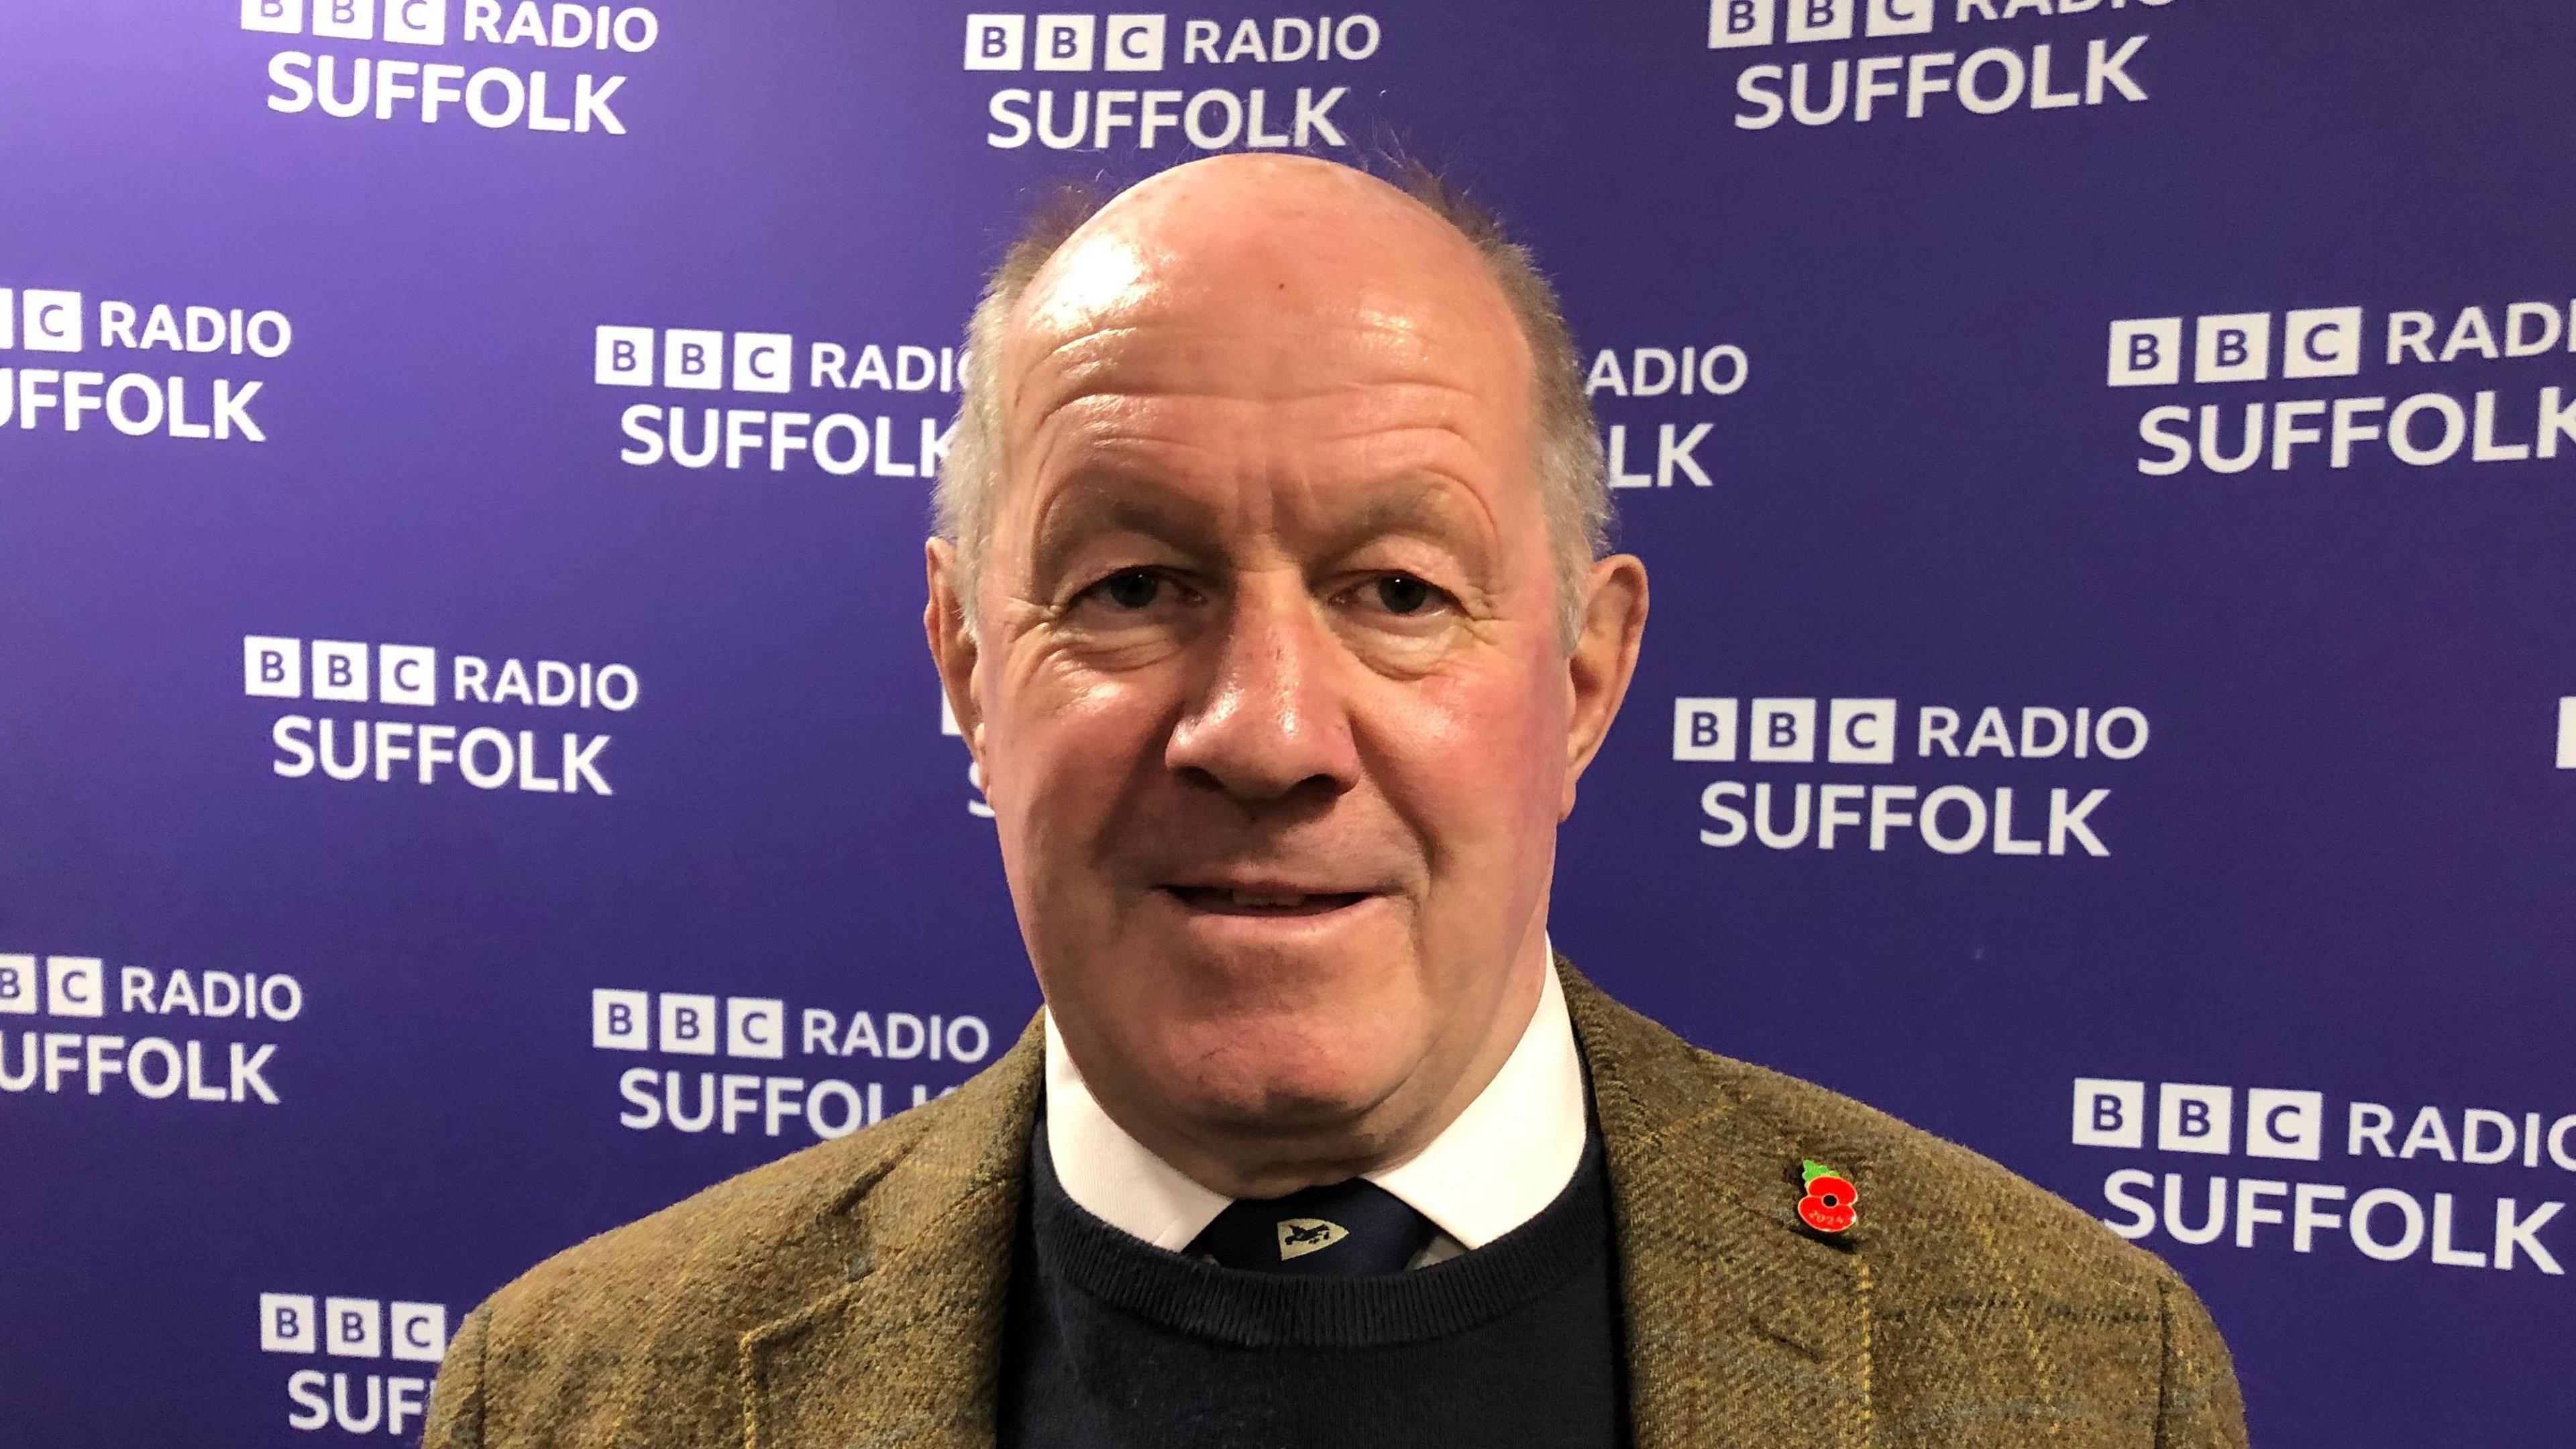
(1264, 899)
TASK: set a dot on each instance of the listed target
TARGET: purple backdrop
(2105, 469)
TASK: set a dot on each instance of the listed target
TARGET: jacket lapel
(908, 1350)
(1742, 1326)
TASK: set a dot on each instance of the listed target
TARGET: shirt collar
(1505, 1157)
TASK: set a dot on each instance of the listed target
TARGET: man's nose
(1268, 721)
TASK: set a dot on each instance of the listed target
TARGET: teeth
(1252, 901)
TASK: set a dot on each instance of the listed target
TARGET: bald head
(1252, 236)
(1288, 254)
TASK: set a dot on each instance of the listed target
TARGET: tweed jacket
(853, 1294)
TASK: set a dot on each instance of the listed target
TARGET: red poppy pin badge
(1831, 1203)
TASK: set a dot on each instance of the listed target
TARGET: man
(1270, 595)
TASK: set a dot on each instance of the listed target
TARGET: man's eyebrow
(1414, 504)
(1086, 507)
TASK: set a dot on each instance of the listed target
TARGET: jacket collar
(1741, 1326)
(908, 1349)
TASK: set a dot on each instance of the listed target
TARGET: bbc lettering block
(1861, 732)
(286, 1323)
(17, 985)
(340, 670)
(1783, 731)
(755, 1026)
(2110, 1112)
(2146, 351)
(995, 42)
(418, 1331)
(622, 356)
(688, 1024)
(621, 1020)
(1704, 729)
(353, 1327)
(693, 359)
(75, 986)
(49, 321)
(2235, 347)
(278, 17)
(1741, 24)
(2321, 342)
(763, 361)
(416, 22)
(1132, 42)
(2281, 1123)
(406, 674)
(1820, 19)
(345, 19)
(1900, 17)
(2195, 1118)
(272, 666)
(1063, 42)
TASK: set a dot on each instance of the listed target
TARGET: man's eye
(1131, 588)
(1404, 594)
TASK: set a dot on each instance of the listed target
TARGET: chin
(1298, 1074)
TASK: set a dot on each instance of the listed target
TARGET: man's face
(1268, 692)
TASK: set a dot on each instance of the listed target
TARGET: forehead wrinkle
(1094, 427)
(1158, 345)
(1117, 434)
(1456, 482)
(1111, 421)
(1414, 503)
(1399, 366)
(1436, 477)
(1382, 409)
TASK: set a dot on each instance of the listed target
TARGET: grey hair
(1575, 494)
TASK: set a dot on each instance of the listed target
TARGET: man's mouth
(1263, 900)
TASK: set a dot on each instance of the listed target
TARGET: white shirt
(1506, 1156)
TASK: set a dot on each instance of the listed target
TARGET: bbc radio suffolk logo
(1862, 740)
(171, 1034)
(2327, 425)
(1997, 57)
(371, 1362)
(1139, 54)
(354, 747)
(134, 392)
(488, 86)
(771, 437)
(2482, 1193)
(691, 1027)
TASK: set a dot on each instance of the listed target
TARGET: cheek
(1475, 757)
(1062, 751)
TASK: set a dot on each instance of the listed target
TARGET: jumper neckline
(1272, 1310)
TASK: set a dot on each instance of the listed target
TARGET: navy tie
(1340, 1230)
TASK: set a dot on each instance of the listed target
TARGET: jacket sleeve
(456, 1405)
(2200, 1406)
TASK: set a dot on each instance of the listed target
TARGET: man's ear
(953, 647)
(1603, 660)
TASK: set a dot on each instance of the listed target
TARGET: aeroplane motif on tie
(1300, 1236)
